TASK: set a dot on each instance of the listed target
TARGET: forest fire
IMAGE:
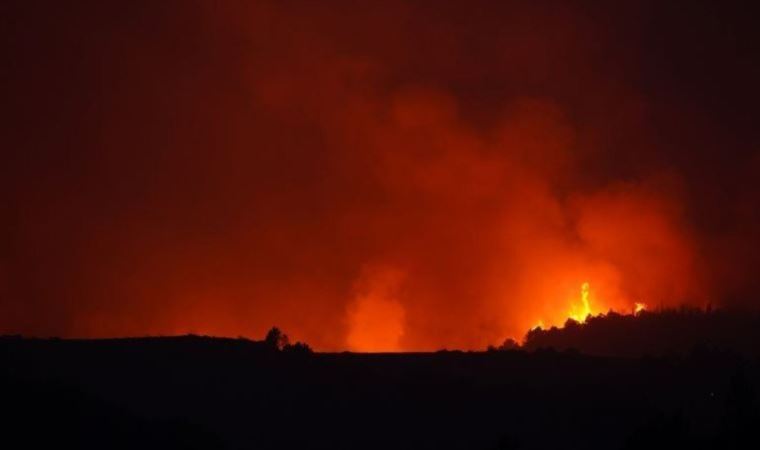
(580, 312)
(580, 309)
(358, 189)
(483, 224)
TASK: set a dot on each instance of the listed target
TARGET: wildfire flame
(579, 313)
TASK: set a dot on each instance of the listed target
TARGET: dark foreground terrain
(204, 393)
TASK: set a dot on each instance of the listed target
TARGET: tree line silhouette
(664, 332)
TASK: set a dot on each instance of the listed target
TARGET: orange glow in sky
(397, 178)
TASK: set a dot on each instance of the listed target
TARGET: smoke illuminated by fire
(376, 318)
(395, 177)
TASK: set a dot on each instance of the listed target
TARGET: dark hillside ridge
(206, 393)
(667, 332)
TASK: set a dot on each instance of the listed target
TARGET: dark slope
(206, 393)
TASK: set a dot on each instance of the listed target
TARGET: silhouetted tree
(276, 339)
(510, 344)
(298, 347)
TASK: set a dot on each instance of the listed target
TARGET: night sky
(395, 175)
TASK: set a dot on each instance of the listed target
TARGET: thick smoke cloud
(398, 176)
